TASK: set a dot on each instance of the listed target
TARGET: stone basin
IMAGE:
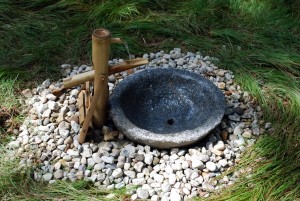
(166, 108)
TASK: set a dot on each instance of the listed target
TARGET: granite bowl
(166, 108)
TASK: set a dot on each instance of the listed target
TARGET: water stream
(127, 49)
(128, 52)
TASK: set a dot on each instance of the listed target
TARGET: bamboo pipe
(89, 76)
(101, 40)
(126, 65)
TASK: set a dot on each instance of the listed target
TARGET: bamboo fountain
(93, 106)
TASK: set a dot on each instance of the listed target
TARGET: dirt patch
(7, 121)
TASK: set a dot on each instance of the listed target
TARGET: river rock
(130, 173)
(75, 126)
(175, 196)
(138, 166)
(58, 174)
(148, 159)
(107, 159)
(128, 151)
(47, 176)
(142, 193)
(211, 166)
(117, 173)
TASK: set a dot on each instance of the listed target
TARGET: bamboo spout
(89, 76)
(116, 40)
(128, 64)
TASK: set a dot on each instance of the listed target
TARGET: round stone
(220, 146)
(238, 110)
(196, 163)
(165, 187)
(126, 166)
(47, 176)
(168, 169)
(186, 191)
(159, 178)
(117, 173)
(130, 173)
(134, 197)
(119, 185)
(87, 152)
(75, 126)
(142, 193)
(112, 78)
(148, 159)
(175, 196)
(52, 105)
(58, 174)
(203, 157)
(247, 134)
(211, 166)
(138, 166)
(172, 179)
(107, 159)
(221, 85)
(154, 198)
(223, 162)
(128, 151)
(96, 158)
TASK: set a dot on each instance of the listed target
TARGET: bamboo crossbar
(89, 76)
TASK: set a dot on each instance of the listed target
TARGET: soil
(7, 122)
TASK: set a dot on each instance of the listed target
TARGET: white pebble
(211, 166)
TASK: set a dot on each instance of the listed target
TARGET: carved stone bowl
(166, 108)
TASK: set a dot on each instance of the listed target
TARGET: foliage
(9, 107)
(12, 179)
(7, 88)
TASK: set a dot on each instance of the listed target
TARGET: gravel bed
(48, 137)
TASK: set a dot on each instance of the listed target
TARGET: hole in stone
(170, 121)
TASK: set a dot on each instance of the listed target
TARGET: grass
(259, 40)
(9, 108)
(7, 88)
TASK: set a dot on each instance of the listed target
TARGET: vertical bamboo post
(97, 111)
(101, 40)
